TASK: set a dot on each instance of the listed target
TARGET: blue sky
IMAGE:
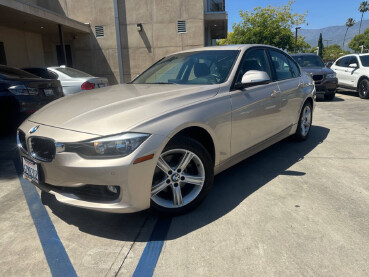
(321, 13)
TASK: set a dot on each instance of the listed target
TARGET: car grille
(21, 140)
(42, 149)
(318, 77)
(91, 193)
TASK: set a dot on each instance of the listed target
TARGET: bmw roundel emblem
(34, 129)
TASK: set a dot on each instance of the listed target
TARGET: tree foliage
(363, 8)
(302, 45)
(320, 45)
(358, 40)
(269, 25)
(349, 23)
(333, 52)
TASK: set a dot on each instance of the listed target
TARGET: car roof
(226, 47)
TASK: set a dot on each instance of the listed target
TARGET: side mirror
(353, 65)
(253, 78)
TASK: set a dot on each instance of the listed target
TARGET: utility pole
(296, 38)
(327, 40)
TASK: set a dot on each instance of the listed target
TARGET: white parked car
(72, 80)
(353, 73)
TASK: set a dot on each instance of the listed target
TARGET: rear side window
(253, 60)
(281, 65)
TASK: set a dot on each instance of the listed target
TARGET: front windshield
(309, 61)
(365, 60)
(203, 67)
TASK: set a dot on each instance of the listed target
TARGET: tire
(305, 121)
(329, 96)
(182, 159)
(363, 89)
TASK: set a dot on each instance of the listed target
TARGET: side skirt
(253, 150)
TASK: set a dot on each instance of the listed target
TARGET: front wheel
(305, 120)
(183, 176)
(363, 89)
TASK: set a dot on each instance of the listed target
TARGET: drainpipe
(62, 46)
(119, 48)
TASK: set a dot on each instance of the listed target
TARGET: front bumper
(326, 86)
(69, 170)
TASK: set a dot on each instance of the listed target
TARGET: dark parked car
(324, 78)
(23, 93)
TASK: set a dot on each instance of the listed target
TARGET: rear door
(290, 83)
(255, 110)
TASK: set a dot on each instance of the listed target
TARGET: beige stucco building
(116, 39)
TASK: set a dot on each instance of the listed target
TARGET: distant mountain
(334, 33)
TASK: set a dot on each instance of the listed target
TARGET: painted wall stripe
(55, 253)
(151, 253)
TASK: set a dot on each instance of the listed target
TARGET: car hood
(119, 108)
(318, 70)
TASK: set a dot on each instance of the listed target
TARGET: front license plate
(30, 170)
(49, 92)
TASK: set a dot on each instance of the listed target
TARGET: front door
(255, 110)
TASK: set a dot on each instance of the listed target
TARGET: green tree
(333, 52)
(320, 45)
(358, 40)
(363, 8)
(302, 45)
(269, 25)
(349, 23)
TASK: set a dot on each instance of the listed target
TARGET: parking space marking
(151, 253)
(56, 256)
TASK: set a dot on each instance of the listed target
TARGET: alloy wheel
(306, 121)
(178, 179)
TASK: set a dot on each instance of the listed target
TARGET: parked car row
(350, 72)
(23, 92)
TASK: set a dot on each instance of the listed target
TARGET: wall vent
(181, 26)
(99, 31)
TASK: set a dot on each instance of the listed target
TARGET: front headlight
(108, 147)
(331, 75)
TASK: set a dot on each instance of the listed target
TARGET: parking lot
(295, 209)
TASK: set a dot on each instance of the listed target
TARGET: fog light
(112, 189)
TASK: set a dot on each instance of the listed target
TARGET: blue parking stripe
(151, 253)
(55, 253)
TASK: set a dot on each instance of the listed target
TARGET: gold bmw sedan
(158, 141)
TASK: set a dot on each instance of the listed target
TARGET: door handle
(274, 93)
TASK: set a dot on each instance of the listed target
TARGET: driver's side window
(253, 60)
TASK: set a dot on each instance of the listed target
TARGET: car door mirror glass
(353, 65)
(253, 78)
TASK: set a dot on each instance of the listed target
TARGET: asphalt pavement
(295, 209)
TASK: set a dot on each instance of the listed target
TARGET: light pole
(296, 38)
(362, 48)
(327, 40)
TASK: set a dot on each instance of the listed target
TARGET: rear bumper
(326, 86)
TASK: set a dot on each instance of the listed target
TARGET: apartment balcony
(216, 18)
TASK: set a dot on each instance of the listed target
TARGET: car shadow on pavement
(352, 93)
(231, 187)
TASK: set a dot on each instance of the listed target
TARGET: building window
(99, 31)
(2, 54)
(181, 26)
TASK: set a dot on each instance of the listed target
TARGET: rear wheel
(305, 120)
(363, 89)
(183, 176)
